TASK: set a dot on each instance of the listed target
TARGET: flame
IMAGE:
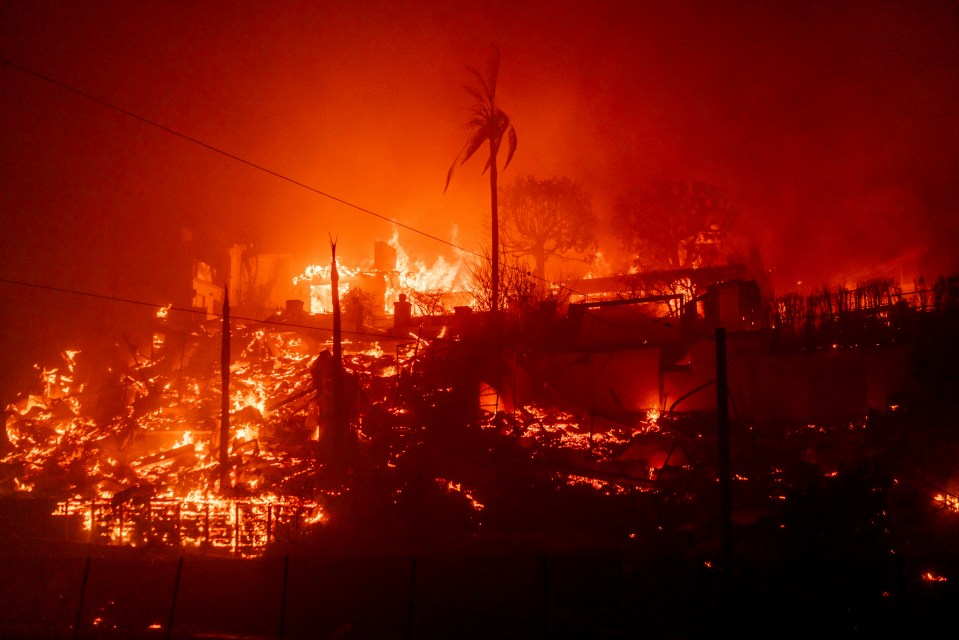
(949, 501)
(457, 487)
(442, 282)
(441, 277)
(163, 312)
(376, 351)
(322, 272)
(187, 439)
(253, 395)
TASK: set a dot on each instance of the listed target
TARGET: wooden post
(83, 594)
(225, 391)
(722, 420)
(176, 593)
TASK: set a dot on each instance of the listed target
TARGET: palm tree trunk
(494, 294)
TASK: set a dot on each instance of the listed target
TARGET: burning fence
(242, 527)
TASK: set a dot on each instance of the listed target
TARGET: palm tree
(487, 123)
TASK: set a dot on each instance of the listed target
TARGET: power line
(222, 152)
(254, 165)
(278, 323)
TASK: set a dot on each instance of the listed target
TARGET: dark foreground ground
(838, 558)
(574, 594)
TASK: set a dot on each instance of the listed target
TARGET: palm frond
(449, 176)
(486, 95)
(486, 122)
(511, 137)
(478, 96)
(478, 121)
(493, 75)
(473, 143)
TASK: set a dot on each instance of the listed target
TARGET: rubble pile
(125, 445)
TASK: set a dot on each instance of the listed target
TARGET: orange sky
(832, 125)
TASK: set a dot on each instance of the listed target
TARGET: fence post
(176, 591)
(83, 592)
(722, 419)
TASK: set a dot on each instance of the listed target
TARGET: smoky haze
(831, 126)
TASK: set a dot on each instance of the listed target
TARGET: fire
(557, 428)
(456, 487)
(949, 501)
(252, 394)
(322, 272)
(149, 472)
(603, 486)
(243, 527)
(376, 351)
(188, 438)
(429, 286)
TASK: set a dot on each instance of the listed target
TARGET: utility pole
(225, 394)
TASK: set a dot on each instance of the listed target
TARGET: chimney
(384, 257)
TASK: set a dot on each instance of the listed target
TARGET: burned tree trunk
(339, 427)
(337, 320)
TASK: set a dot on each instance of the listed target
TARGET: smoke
(831, 126)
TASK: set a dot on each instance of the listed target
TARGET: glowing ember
(930, 576)
(151, 461)
(949, 501)
(243, 527)
(456, 487)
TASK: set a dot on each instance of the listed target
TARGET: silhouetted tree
(519, 287)
(673, 225)
(487, 123)
(549, 218)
